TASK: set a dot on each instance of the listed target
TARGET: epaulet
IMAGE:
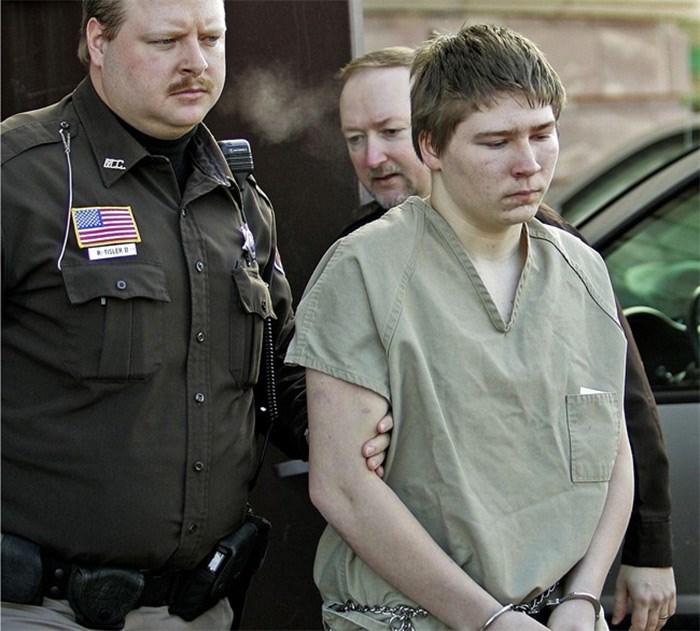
(251, 180)
(31, 129)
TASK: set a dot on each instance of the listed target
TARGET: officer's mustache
(189, 83)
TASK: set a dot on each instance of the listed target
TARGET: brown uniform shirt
(127, 401)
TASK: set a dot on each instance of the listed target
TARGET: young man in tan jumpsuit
(494, 340)
(375, 121)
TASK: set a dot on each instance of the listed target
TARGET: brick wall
(623, 77)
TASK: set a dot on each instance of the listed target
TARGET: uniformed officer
(137, 278)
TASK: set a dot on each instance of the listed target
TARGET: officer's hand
(374, 450)
(652, 591)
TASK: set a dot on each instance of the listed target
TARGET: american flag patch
(104, 225)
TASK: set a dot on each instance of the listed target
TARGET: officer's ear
(95, 40)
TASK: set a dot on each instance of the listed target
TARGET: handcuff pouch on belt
(102, 596)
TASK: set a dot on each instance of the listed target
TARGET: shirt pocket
(252, 304)
(594, 434)
(117, 330)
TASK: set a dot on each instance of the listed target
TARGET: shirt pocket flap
(136, 280)
(252, 291)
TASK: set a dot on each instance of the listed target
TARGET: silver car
(642, 213)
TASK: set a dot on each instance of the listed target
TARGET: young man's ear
(95, 39)
(427, 151)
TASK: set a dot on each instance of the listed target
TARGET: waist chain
(400, 617)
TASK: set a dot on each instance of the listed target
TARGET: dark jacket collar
(117, 151)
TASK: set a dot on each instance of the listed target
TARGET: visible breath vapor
(276, 106)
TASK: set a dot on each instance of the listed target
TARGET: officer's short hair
(389, 57)
(109, 13)
(463, 72)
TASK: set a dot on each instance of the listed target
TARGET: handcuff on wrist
(554, 602)
(577, 596)
(498, 614)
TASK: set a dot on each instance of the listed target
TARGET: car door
(650, 239)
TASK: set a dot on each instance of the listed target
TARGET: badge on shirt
(248, 243)
(106, 231)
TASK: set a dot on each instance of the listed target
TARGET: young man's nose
(526, 162)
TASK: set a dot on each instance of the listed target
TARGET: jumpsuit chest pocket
(116, 331)
(594, 434)
(251, 305)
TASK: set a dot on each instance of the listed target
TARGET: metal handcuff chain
(537, 604)
(530, 608)
(543, 601)
(398, 617)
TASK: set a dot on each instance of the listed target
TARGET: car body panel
(633, 163)
(653, 228)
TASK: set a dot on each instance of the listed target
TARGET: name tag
(112, 251)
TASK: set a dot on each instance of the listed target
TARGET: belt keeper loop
(497, 615)
(56, 575)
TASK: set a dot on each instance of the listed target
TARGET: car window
(655, 271)
(626, 172)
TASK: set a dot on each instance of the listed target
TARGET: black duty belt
(101, 596)
(158, 588)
